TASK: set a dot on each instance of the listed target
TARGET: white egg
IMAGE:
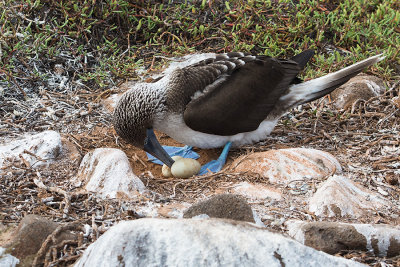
(166, 171)
(185, 168)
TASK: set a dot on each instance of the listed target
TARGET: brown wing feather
(244, 100)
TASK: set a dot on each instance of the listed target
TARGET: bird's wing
(234, 93)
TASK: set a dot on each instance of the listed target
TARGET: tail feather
(311, 90)
(303, 57)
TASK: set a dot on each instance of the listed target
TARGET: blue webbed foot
(216, 165)
(185, 152)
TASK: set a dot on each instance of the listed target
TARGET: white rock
(339, 196)
(285, 165)
(212, 242)
(107, 172)
(256, 191)
(7, 260)
(46, 145)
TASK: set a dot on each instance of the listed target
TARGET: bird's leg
(184, 152)
(216, 165)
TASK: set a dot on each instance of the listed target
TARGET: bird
(229, 99)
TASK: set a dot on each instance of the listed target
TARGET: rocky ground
(327, 177)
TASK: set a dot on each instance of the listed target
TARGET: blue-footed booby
(230, 99)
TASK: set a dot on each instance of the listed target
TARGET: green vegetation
(99, 41)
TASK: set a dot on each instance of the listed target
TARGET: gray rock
(360, 87)
(212, 242)
(332, 237)
(225, 206)
(32, 231)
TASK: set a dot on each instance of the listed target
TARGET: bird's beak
(153, 147)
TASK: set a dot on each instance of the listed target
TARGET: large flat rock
(189, 242)
(285, 165)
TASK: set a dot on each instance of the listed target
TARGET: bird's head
(133, 114)
(133, 120)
